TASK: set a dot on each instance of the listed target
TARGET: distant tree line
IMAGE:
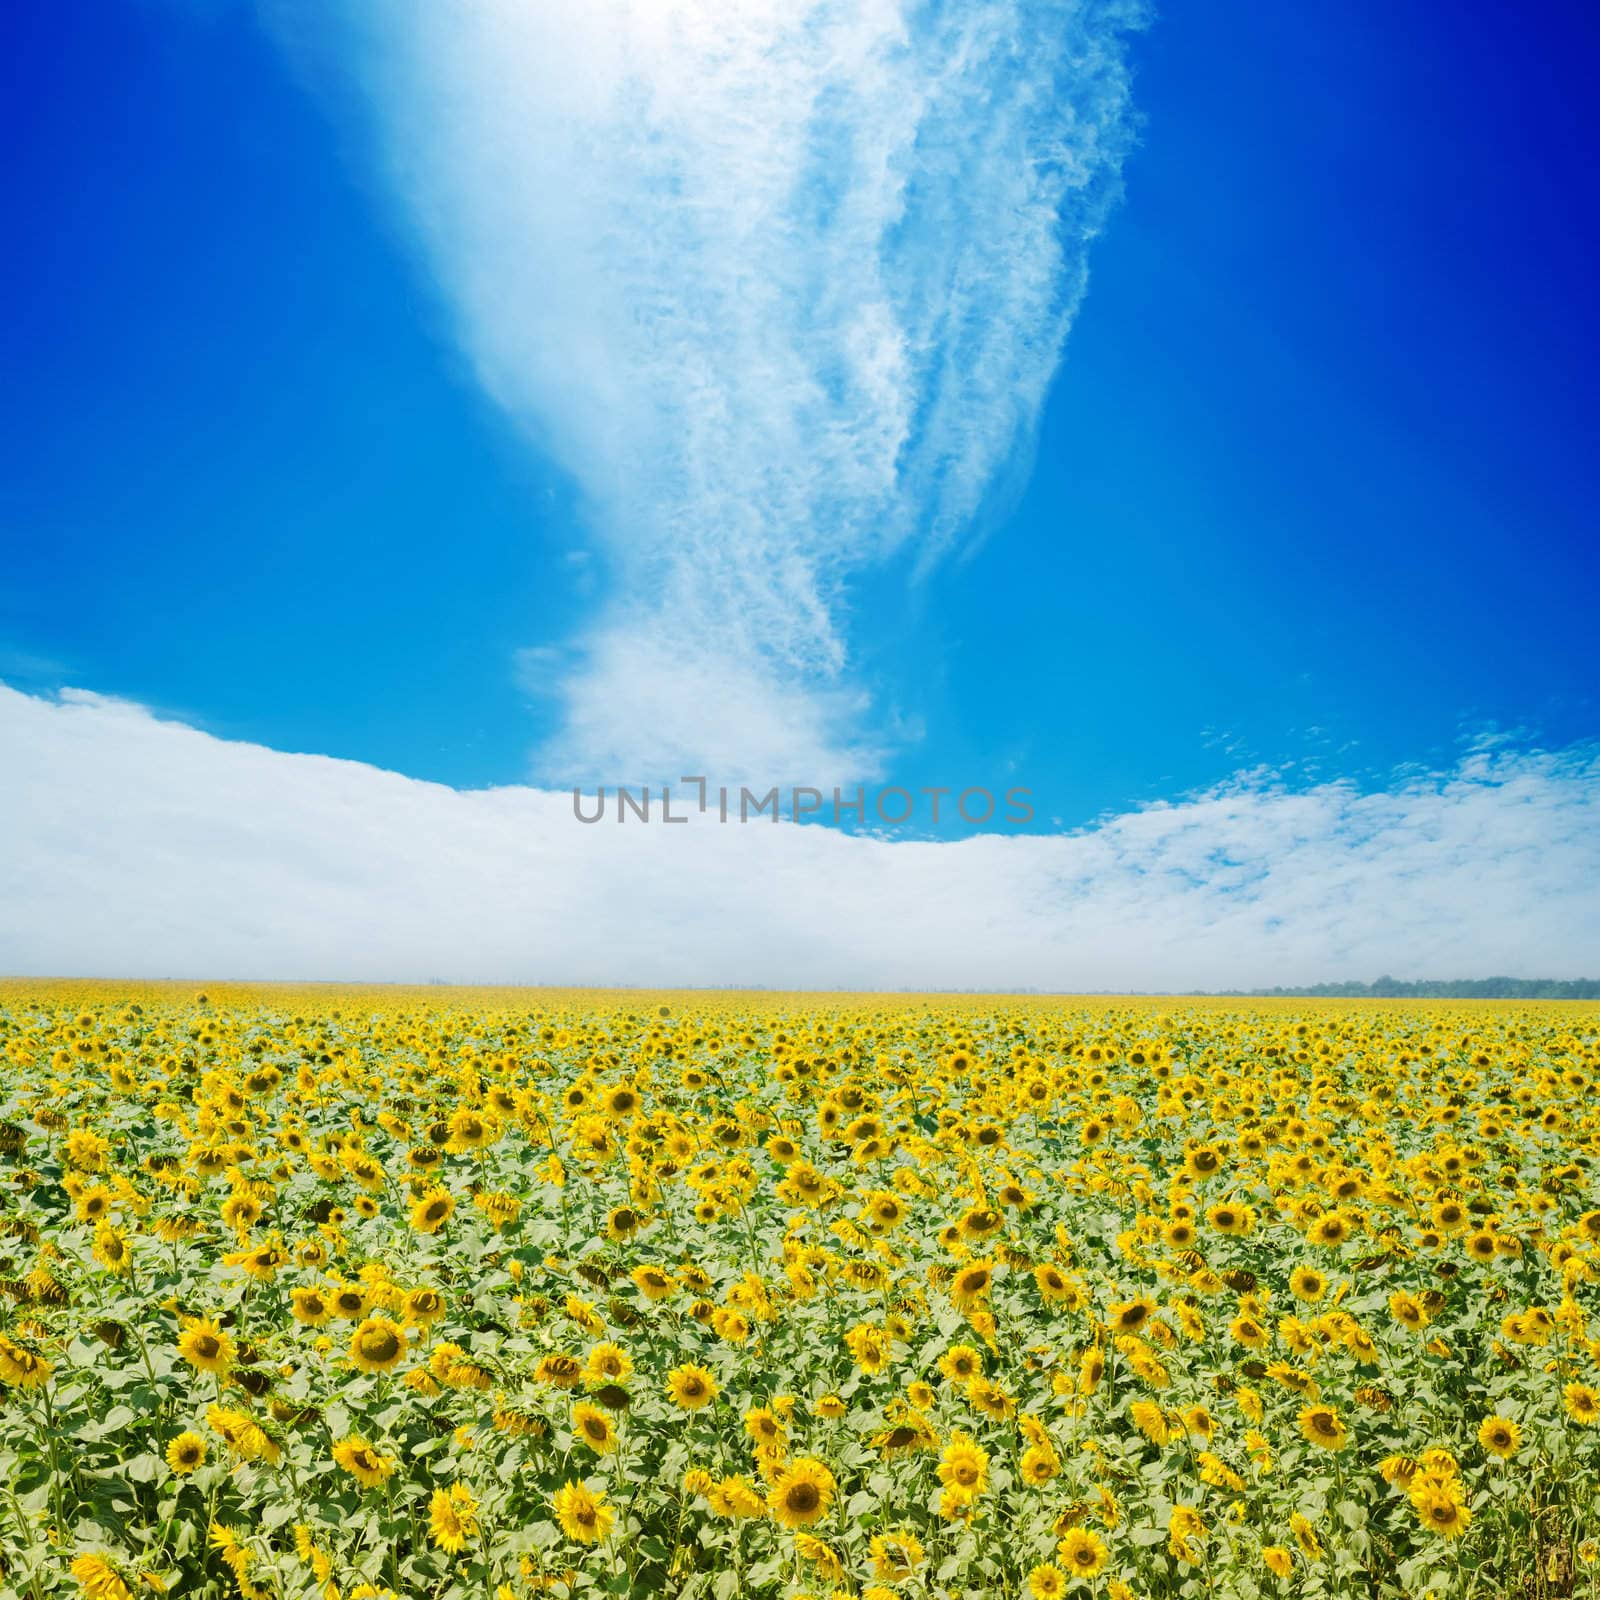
(1444, 989)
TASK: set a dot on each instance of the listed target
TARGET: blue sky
(1314, 480)
(1313, 483)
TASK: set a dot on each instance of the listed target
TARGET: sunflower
(964, 1466)
(1047, 1582)
(378, 1345)
(350, 1302)
(98, 1579)
(468, 1131)
(1582, 1403)
(1150, 1420)
(205, 1346)
(1500, 1436)
(186, 1453)
(896, 1555)
(1440, 1512)
(691, 1387)
(620, 1101)
(802, 1494)
(1039, 1464)
(559, 1371)
(1277, 1560)
(21, 1367)
(584, 1517)
(362, 1461)
(310, 1306)
(1331, 1230)
(736, 1497)
(1128, 1316)
(869, 1346)
(422, 1307)
(1184, 1526)
(1305, 1536)
(243, 1434)
(1307, 1283)
(593, 1427)
(1322, 1426)
(991, 1399)
(1249, 1332)
(830, 1407)
(654, 1283)
(960, 1364)
(1091, 1368)
(971, 1284)
(607, 1363)
(452, 1518)
(1081, 1553)
(622, 1223)
(1052, 1283)
(432, 1211)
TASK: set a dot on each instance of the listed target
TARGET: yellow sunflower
(802, 1494)
(584, 1517)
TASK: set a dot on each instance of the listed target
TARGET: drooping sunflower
(1305, 1536)
(820, 1556)
(362, 1461)
(559, 1371)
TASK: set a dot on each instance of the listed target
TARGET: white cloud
(138, 846)
(782, 283)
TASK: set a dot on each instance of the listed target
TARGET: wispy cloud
(140, 846)
(781, 282)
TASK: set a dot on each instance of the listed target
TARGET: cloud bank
(781, 283)
(140, 847)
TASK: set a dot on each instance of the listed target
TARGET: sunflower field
(331, 1293)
